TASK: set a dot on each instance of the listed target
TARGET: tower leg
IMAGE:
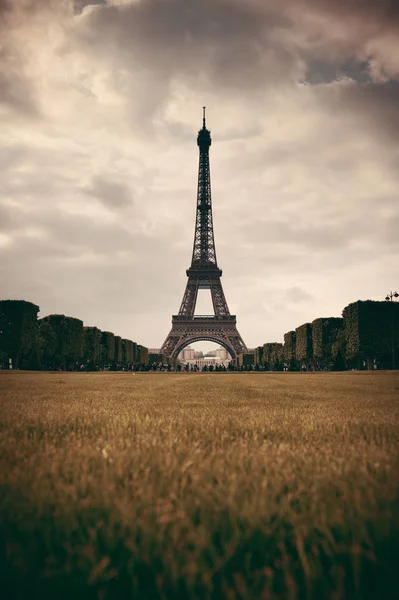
(189, 301)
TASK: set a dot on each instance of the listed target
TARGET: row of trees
(60, 342)
(366, 337)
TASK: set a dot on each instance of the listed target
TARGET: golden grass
(214, 486)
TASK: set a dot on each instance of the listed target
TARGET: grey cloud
(242, 48)
(67, 237)
(76, 254)
(319, 72)
(225, 40)
(338, 31)
(391, 229)
(110, 193)
(5, 7)
(5, 218)
(308, 241)
(236, 46)
(70, 236)
(385, 11)
(377, 104)
(297, 294)
(11, 155)
(16, 93)
(79, 5)
(302, 233)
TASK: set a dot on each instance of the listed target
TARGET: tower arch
(194, 339)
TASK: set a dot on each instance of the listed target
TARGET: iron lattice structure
(204, 273)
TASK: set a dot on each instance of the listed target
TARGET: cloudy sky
(100, 104)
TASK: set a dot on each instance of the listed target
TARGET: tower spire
(204, 253)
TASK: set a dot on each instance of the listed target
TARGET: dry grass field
(161, 486)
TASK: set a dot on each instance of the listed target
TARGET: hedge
(303, 348)
(118, 349)
(277, 355)
(92, 350)
(48, 344)
(245, 359)
(370, 327)
(108, 347)
(19, 331)
(58, 341)
(339, 346)
(258, 356)
(324, 336)
(68, 333)
(142, 355)
(290, 346)
(267, 350)
(273, 354)
(157, 358)
(128, 351)
(365, 332)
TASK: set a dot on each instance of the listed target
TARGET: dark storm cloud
(385, 11)
(364, 31)
(243, 47)
(225, 40)
(5, 6)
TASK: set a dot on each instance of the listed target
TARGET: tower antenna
(203, 117)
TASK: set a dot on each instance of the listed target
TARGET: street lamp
(390, 298)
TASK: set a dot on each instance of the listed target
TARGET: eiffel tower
(204, 273)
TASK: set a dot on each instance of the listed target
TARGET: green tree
(118, 350)
(48, 344)
(107, 348)
(304, 349)
(92, 347)
(324, 335)
(19, 332)
(290, 348)
(68, 333)
(371, 332)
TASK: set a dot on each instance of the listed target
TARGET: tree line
(58, 342)
(366, 337)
